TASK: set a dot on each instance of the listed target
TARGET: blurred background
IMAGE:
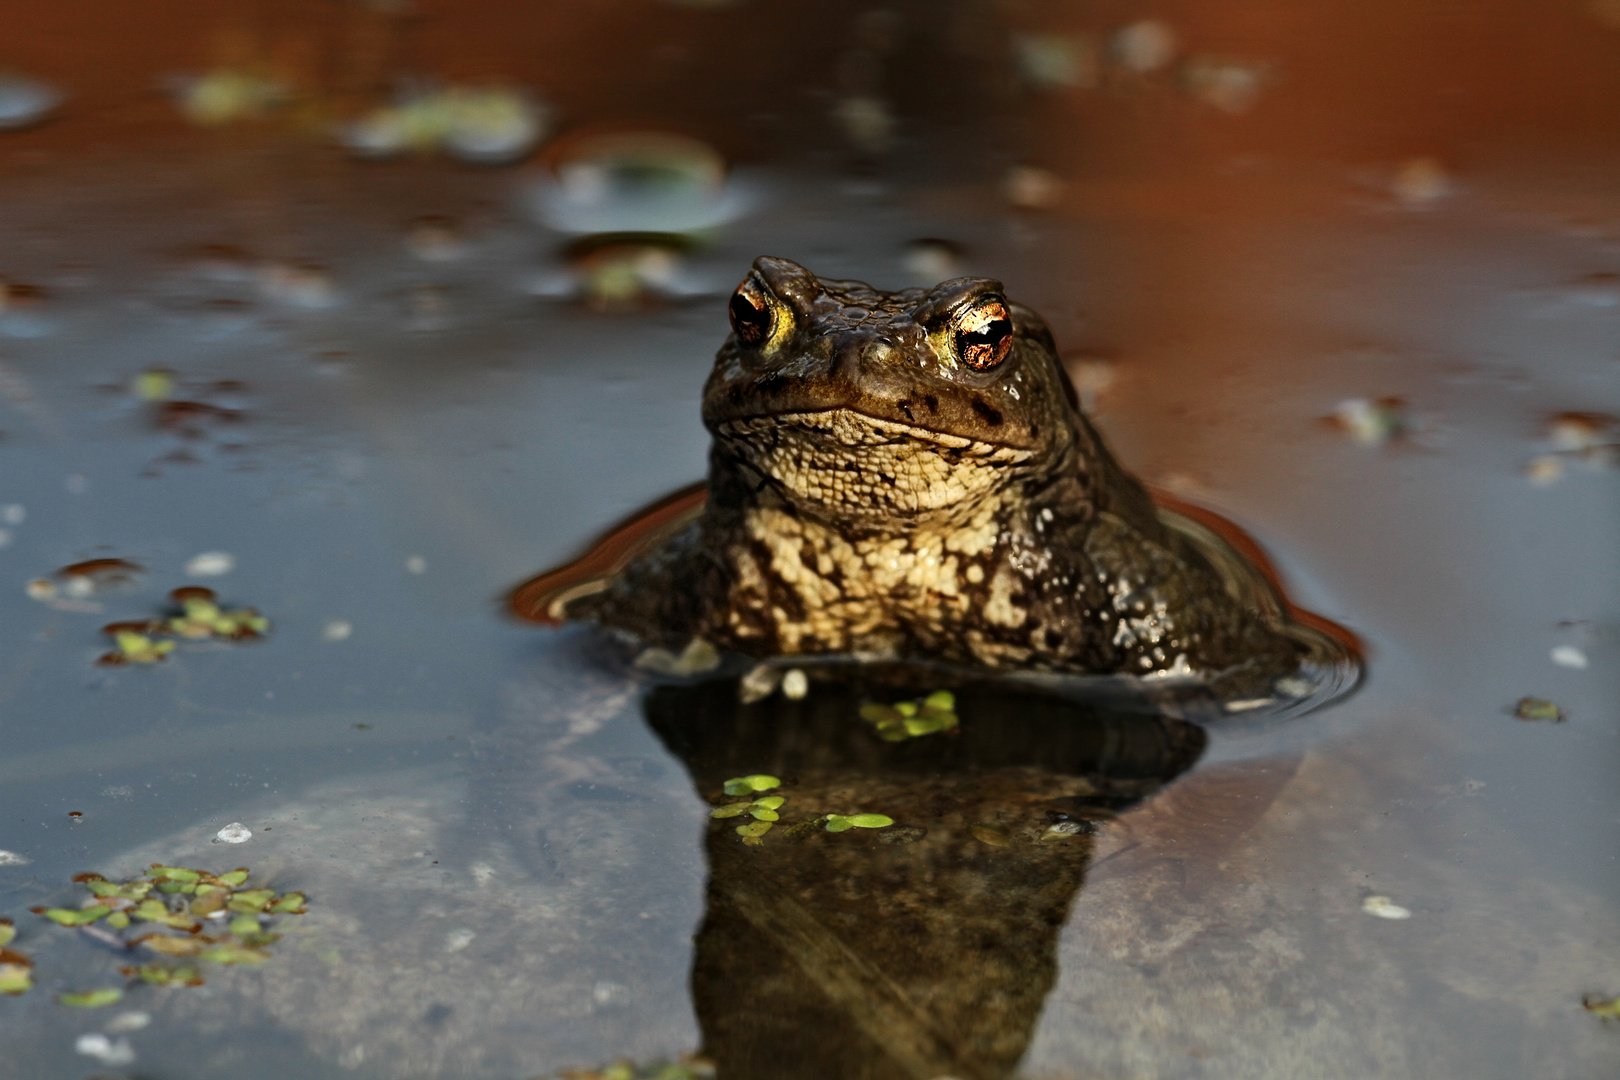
(359, 312)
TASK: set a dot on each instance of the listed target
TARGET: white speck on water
(416, 564)
(11, 858)
(234, 833)
(337, 630)
(353, 1057)
(606, 993)
(1144, 46)
(77, 484)
(482, 873)
(211, 564)
(13, 513)
(105, 1050)
(795, 684)
(1568, 656)
(40, 589)
(78, 586)
(1370, 423)
(1384, 908)
(5, 537)
(456, 940)
(129, 1021)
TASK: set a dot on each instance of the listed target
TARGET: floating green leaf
(118, 920)
(839, 823)
(92, 999)
(251, 900)
(942, 700)
(729, 810)
(170, 945)
(754, 828)
(1531, 708)
(770, 802)
(162, 975)
(290, 904)
(909, 719)
(173, 873)
(15, 978)
(234, 878)
(230, 953)
(8, 932)
(1608, 1010)
(871, 821)
(245, 924)
(80, 917)
(744, 785)
(762, 814)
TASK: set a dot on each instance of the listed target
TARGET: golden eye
(983, 336)
(751, 313)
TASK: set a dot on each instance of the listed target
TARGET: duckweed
(1607, 1010)
(844, 822)
(909, 719)
(200, 618)
(1531, 708)
(8, 933)
(747, 785)
(194, 899)
(15, 974)
(92, 999)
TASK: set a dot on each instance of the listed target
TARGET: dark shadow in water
(920, 950)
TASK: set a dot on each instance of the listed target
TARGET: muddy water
(511, 870)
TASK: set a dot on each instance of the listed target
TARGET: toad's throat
(865, 467)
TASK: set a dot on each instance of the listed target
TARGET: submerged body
(908, 474)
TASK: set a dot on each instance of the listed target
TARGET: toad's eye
(751, 313)
(983, 336)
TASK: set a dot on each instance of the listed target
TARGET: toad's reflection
(919, 950)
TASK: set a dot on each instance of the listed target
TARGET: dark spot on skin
(932, 402)
(1054, 638)
(905, 407)
(1034, 431)
(991, 416)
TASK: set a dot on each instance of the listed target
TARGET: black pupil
(749, 320)
(991, 335)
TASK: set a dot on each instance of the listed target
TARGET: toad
(909, 475)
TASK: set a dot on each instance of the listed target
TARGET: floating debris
(989, 834)
(763, 809)
(844, 822)
(435, 239)
(416, 565)
(184, 900)
(867, 121)
(306, 285)
(1029, 188)
(795, 684)
(92, 999)
(1568, 656)
(1056, 61)
(226, 95)
(637, 182)
(1371, 422)
(134, 645)
(1605, 1009)
(1229, 85)
(698, 657)
(234, 833)
(1420, 183)
(112, 1052)
(482, 125)
(1144, 47)
(1544, 469)
(154, 384)
(12, 858)
(932, 260)
(1581, 430)
(622, 274)
(1534, 708)
(1384, 908)
(80, 580)
(16, 972)
(909, 719)
(336, 630)
(133, 1020)
(25, 102)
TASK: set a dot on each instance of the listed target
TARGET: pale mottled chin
(845, 465)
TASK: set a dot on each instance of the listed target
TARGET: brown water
(509, 861)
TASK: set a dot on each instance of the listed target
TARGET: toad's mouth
(867, 467)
